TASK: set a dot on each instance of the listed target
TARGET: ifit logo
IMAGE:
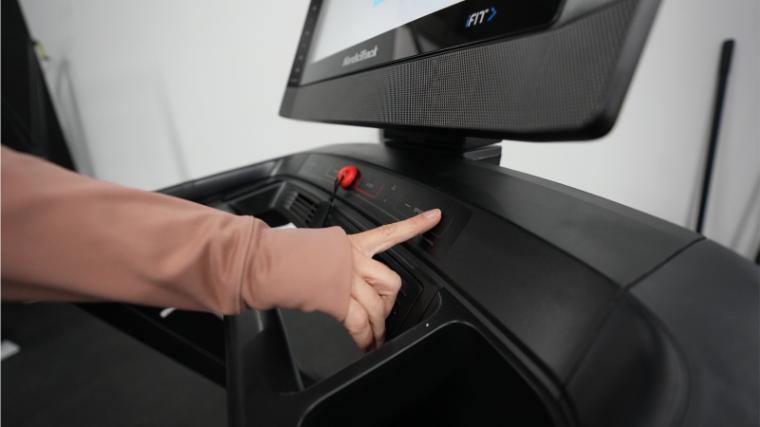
(360, 56)
(477, 18)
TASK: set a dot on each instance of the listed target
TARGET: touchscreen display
(346, 36)
(361, 20)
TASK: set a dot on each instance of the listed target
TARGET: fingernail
(432, 213)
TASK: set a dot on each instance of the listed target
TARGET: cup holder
(453, 377)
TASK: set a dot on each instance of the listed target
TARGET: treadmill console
(499, 318)
(531, 303)
(393, 199)
(320, 345)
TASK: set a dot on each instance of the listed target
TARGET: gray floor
(74, 370)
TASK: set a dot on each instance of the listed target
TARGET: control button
(427, 242)
(430, 237)
(347, 175)
(442, 226)
(407, 209)
(368, 187)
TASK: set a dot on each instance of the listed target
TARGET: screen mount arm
(466, 147)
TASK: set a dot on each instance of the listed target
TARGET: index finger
(386, 236)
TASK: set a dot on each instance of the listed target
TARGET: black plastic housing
(546, 306)
(564, 82)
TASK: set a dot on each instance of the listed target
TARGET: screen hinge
(466, 147)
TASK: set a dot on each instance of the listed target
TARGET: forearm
(65, 236)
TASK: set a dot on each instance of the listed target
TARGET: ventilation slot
(301, 208)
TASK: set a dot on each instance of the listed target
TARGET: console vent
(301, 208)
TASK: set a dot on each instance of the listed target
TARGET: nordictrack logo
(363, 55)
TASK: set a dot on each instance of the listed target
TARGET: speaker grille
(301, 208)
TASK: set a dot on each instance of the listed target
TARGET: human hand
(375, 286)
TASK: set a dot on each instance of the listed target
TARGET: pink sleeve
(67, 237)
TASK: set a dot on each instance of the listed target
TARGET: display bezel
(459, 25)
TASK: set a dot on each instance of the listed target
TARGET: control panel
(319, 344)
(393, 198)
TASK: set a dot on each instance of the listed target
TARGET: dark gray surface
(549, 268)
(708, 298)
(631, 375)
(619, 242)
(74, 370)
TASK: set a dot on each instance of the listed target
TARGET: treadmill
(532, 303)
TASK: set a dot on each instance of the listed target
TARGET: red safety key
(347, 175)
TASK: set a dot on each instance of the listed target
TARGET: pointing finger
(385, 237)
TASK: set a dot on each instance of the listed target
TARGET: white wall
(151, 93)
(653, 158)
